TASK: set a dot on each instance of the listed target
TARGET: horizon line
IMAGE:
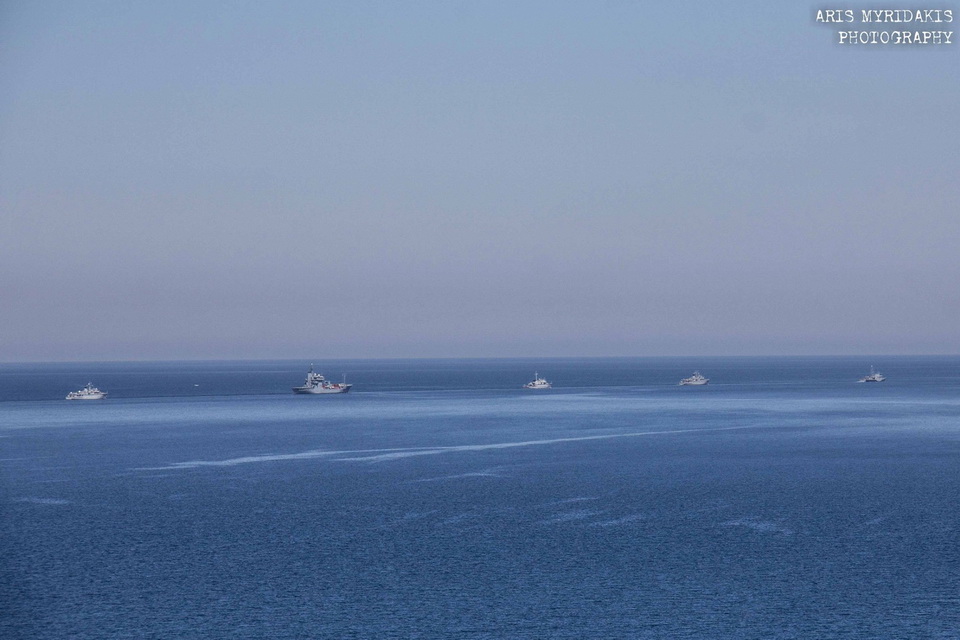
(517, 358)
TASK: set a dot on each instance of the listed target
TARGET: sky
(471, 179)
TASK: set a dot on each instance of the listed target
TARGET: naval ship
(873, 376)
(538, 383)
(696, 379)
(316, 384)
(89, 392)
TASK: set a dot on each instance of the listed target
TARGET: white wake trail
(384, 455)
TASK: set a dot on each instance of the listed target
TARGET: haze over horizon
(537, 179)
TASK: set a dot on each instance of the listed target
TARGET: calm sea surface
(441, 500)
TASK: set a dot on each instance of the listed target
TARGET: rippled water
(439, 500)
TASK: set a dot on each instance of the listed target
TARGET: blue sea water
(441, 500)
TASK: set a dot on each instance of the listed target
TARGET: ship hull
(314, 391)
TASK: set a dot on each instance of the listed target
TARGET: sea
(439, 499)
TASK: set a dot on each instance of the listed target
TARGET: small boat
(538, 383)
(317, 384)
(89, 392)
(696, 380)
(873, 376)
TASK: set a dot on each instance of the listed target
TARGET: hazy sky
(391, 179)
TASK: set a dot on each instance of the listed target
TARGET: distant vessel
(538, 383)
(696, 379)
(873, 376)
(89, 392)
(316, 383)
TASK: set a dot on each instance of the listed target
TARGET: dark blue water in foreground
(439, 500)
